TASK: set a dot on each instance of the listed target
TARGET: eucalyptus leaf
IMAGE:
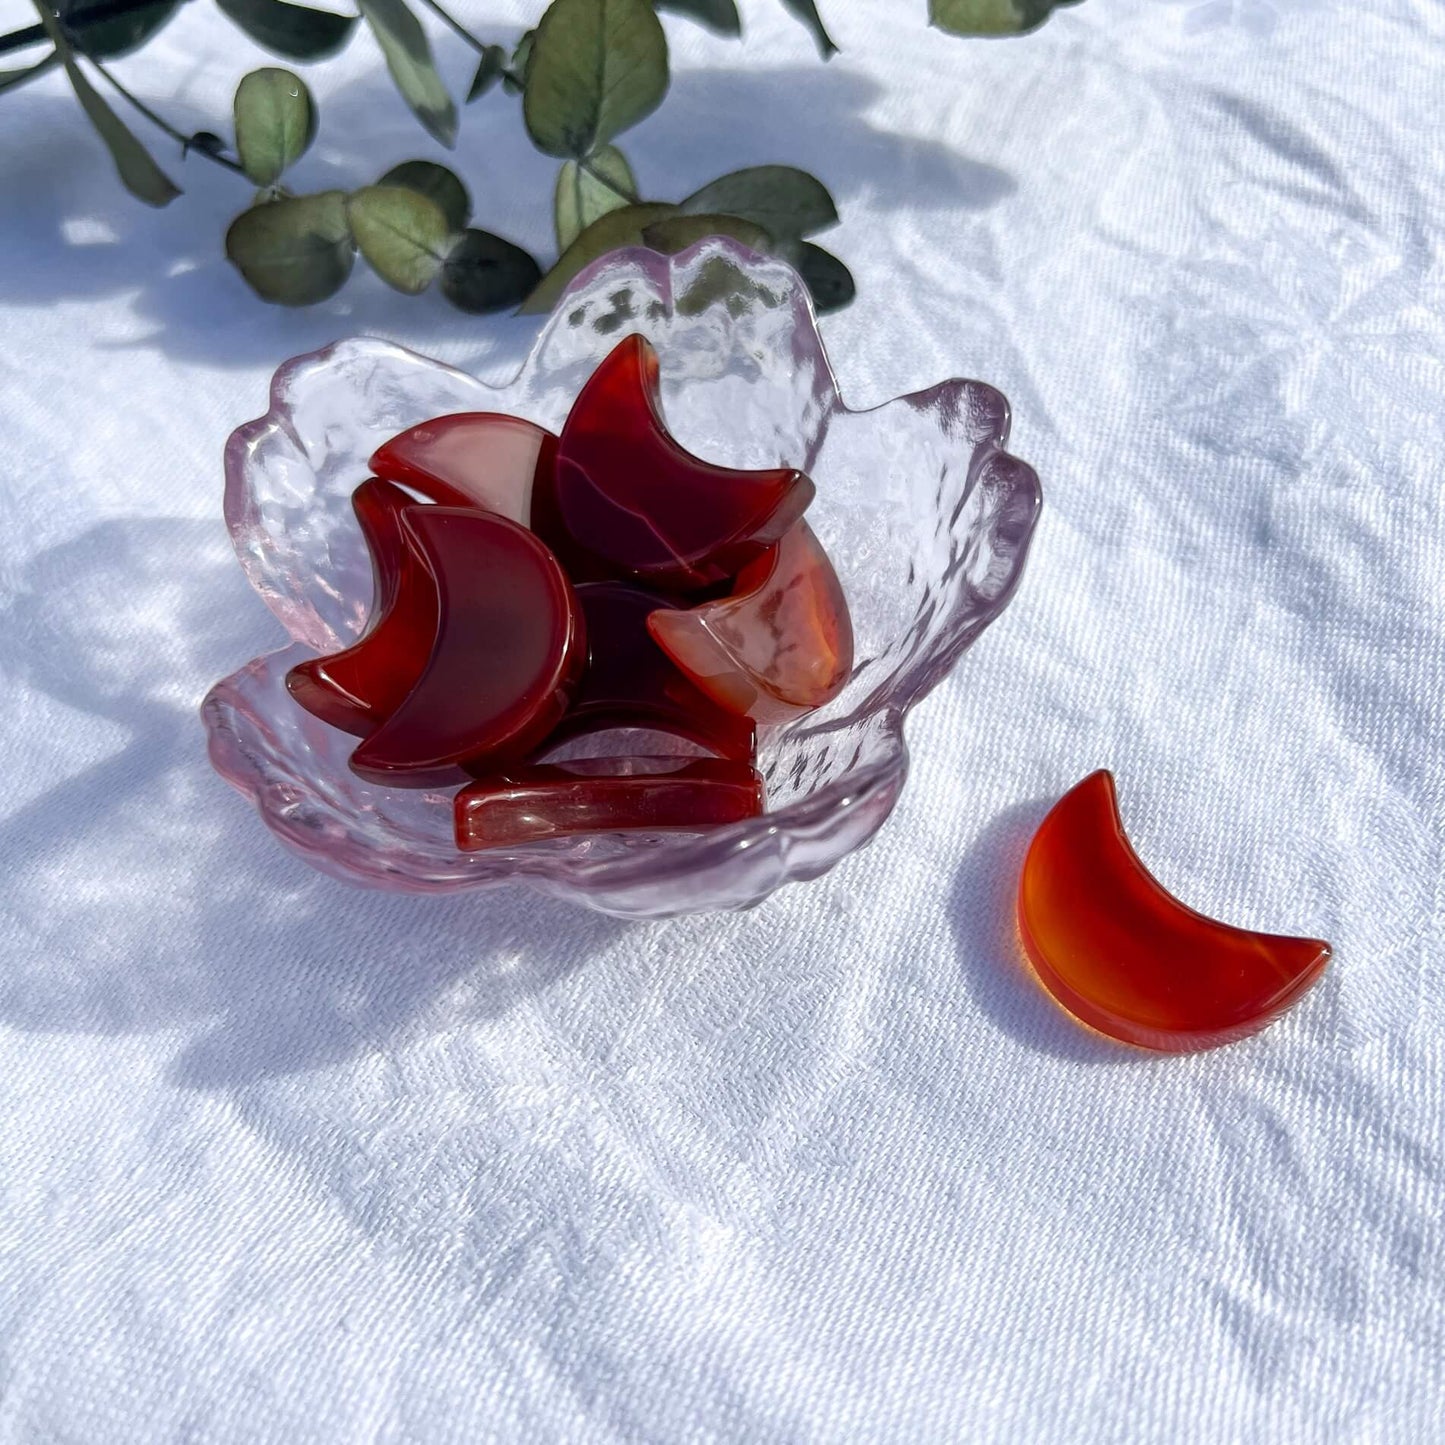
(436, 183)
(275, 123)
(106, 31)
(521, 59)
(622, 227)
(138, 172)
(719, 281)
(296, 31)
(596, 68)
(295, 251)
(677, 233)
(991, 17)
(489, 71)
(584, 193)
(11, 78)
(786, 202)
(829, 280)
(408, 56)
(404, 235)
(807, 12)
(719, 15)
(485, 273)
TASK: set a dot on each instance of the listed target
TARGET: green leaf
(489, 72)
(991, 17)
(521, 59)
(719, 15)
(622, 227)
(677, 233)
(582, 197)
(139, 173)
(807, 12)
(485, 273)
(597, 67)
(275, 123)
(408, 57)
(437, 184)
(296, 31)
(786, 202)
(830, 281)
(12, 78)
(404, 235)
(117, 33)
(293, 252)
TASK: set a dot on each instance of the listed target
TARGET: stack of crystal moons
(532, 590)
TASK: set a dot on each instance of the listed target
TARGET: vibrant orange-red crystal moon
(781, 644)
(1122, 954)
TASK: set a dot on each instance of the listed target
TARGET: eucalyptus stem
(19, 39)
(625, 193)
(163, 124)
(455, 25)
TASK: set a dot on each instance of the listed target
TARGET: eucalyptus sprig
(587, 72)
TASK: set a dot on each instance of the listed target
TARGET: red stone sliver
(527, 804)
(628, 494)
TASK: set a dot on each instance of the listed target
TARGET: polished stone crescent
(508, 653)
(631, 496)
(1123, 955)
(780, 644)
(358, 689)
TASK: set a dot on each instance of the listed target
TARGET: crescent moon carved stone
(1123, 955)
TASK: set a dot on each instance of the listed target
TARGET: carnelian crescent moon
(509, 649)
(629, 494)
(358, 689)
(1123, 955)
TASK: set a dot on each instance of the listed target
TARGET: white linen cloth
(283, 1161)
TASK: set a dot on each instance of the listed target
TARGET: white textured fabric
(285, 1162)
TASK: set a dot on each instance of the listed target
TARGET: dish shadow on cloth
(74, 234)
(151, 895)
(982, 912)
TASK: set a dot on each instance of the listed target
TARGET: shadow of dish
(983, 914)
(73, 234)
(150, 897)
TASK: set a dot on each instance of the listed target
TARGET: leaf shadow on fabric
(817, 117)
(74, 235)
(982, 912)
(149, 895)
